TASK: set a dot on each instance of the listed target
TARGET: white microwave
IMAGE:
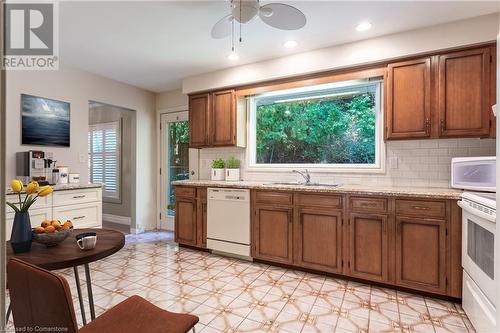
(474, 173)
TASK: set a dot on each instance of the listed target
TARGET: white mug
(87, 242)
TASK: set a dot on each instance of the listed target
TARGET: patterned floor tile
(231, 295)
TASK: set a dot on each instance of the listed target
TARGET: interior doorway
(176, 159)
(111, 152)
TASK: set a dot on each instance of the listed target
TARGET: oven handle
(476, 212)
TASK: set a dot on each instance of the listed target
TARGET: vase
(217, 174)
(21, 236)
(233, 175)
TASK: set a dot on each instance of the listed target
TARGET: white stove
(478, 241)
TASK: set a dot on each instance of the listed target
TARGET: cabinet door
(368, 241)
(273, 234)
(37, 216)
(409, 99)
(185, 221)
(464, 93)
(319, 239)
(223, 118)
(199, 113)
(421, 254)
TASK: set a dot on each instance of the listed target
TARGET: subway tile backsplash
(421, 163)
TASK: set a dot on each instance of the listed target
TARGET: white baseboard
(117, 219)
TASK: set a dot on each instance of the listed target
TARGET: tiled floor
(237, 296)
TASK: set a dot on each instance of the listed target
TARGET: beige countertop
(65, 187)
(418, 192)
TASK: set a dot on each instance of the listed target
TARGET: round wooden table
(67, 254)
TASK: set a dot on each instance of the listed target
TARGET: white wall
(78, 87)
(475, 30)
(169, 100)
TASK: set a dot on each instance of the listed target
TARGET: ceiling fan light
(266, 12)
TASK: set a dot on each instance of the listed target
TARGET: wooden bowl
(51, 239)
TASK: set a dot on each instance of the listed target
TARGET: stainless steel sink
(303, 184)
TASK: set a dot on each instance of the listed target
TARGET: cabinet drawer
(185, 191)
(421, 208)
(41, 202)
(378, 205)
(329, 201)
(282, 198)
(37, 216)
(72, 197)
(88, 215)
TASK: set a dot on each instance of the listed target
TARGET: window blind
(104, 157)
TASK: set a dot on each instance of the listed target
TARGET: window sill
(316, 169)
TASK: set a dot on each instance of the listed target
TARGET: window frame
(108, 196)
(378, 167)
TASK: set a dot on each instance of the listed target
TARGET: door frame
(164, 221)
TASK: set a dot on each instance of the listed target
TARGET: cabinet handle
(79, 217)
(420, 208)
(78, 196)
(427, 126)
(442, 125)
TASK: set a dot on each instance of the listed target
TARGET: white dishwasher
(228, 221)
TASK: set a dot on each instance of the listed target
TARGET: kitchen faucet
(305, 174)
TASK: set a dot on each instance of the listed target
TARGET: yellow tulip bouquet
(33, 192)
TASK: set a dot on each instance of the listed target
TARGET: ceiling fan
(277, 15)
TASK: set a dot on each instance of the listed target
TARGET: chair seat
(137, 315)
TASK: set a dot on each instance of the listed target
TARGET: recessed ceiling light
(364, 26)
(290, 44)
(232, 56)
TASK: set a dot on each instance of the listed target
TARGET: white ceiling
(153, 45)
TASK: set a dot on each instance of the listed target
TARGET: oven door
(478, 242)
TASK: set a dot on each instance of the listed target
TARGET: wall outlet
(82, 158)
(393, 162)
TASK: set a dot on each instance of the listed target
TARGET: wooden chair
(42, 299)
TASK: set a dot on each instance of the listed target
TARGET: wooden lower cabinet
(318, 242)
(368, 246)
(273, 234)
(421, 254)
(185, 221)
(191, 216)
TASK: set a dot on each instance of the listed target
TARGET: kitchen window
(104, 157)
(334, 126)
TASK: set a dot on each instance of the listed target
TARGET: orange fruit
(45, 223)
(65, 227)
(39, 230)
(56, 224)
(68, 224)
(50, 229)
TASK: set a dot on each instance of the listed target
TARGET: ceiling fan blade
(222, 28)
(282, 16)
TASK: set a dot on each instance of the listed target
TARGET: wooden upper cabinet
(319, 239)
(223, 118)
(409, 99)
(421, 254)
(199, 115)
(368, 246)
(464, 93)
(272, 234)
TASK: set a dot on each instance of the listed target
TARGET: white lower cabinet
(82, 206)
(87, 215)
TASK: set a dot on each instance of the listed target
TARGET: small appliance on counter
(34, 165)
(63, 174)
(478, 238)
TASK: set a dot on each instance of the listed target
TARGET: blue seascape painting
(45, 121)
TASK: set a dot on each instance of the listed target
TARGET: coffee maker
(34, 165)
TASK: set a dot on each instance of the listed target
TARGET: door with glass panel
(175, 165)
